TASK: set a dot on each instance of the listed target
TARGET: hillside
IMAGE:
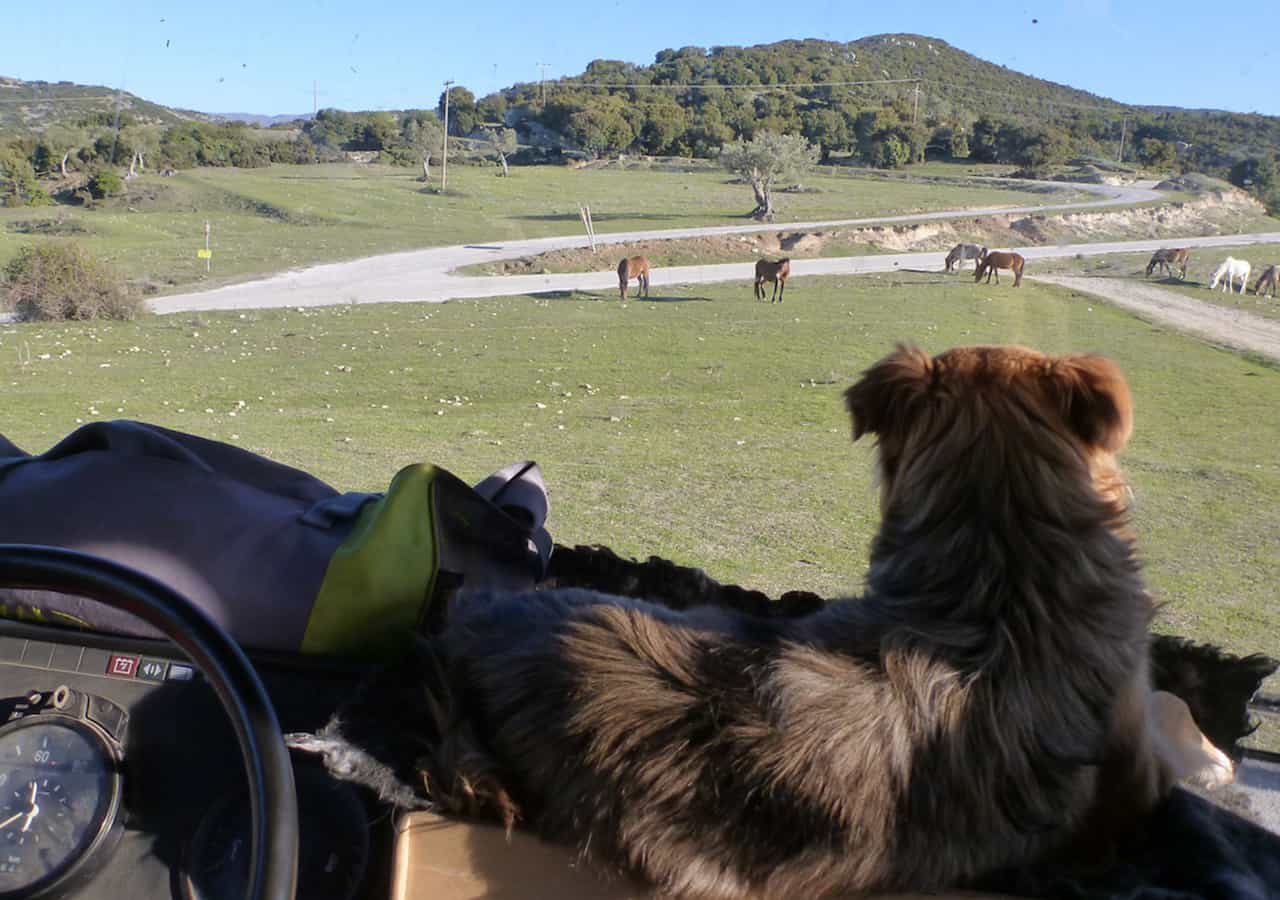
(27, 107)
(689, 100)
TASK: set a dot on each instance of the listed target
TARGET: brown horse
(994, 262)
(633, 267)
(777, 272)
(1169, 258)
(1267, 281)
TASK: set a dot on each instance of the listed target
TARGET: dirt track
(1230, 328)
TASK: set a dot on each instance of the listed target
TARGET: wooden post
(584, 213)
(208, 254)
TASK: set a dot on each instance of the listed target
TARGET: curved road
(424, 275)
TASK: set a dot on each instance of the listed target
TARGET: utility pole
(1124, 124)
(542, 89)
(315, 98)
(915, 108)
(444, 156)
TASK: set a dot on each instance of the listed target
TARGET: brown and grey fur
(1267, 282)
(1168, 258)
(960, 252)
(981, 706)
(994, 262)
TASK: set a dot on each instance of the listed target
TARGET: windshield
(351, 239)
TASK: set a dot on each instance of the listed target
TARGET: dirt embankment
(1217, 212)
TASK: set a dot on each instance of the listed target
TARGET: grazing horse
(1232, 268)
(960, 252)
(633, 267)
(1267, 281)
(1168, 259)
(994, 262)
(777, 272)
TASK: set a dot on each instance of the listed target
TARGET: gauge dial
(333, 844)
(59, 795)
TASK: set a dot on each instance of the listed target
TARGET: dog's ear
(1095, 400)
(887, 391)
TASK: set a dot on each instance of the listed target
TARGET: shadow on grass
(612, 297)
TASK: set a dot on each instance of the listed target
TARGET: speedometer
(59, 799)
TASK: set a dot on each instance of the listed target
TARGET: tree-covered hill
(27, 107)
(886, 98)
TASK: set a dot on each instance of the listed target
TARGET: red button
(122, 666)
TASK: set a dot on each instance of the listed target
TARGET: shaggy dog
(982, 706)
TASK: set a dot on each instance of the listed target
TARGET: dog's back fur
(982, 706)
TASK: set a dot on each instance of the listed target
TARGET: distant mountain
(259, 120)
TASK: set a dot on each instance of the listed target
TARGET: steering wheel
(273, 804)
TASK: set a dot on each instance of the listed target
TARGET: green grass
(267, 220)
(1199, 274)
(701, 425)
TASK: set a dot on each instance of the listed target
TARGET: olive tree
(765, 161)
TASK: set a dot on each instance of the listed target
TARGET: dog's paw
(1186, 754)
(1216, 771)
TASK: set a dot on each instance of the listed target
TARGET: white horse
(1232, 268)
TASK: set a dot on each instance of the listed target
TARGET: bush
(105, 183)
(52, 282)
(18, 185)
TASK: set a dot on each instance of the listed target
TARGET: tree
(502, 141)
(137, 142)
(63, 141)
(985, 145)
(464, 116)
(18, 185)
(601, 128)
(890, 152)
(959, 145)
(826, 127)
(765, 161)
(1157, 154)
(1257, 174)
(424, 135)
(105, 183)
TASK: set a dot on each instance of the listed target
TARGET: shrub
(105, 183)
(62, 281)
(18, 185)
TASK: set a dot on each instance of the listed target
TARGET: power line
(1118, 108)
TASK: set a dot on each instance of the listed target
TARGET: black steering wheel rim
(273, 806)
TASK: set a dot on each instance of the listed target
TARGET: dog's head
(991, 412)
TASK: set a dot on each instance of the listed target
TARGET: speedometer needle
(34, 811)
(13, 818)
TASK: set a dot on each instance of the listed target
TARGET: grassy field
(699, 425)
(1199, 274)
(266, 220)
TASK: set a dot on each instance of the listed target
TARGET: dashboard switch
(122, 666)
(152, 669)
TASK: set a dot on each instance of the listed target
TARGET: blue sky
(263, 57)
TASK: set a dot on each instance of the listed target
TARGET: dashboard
(120, 776)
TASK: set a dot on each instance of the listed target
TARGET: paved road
(1260, 779)
(423, 275)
